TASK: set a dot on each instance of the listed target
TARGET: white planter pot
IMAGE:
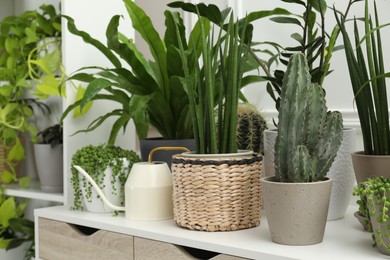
(49, 164)
(296, 212)
(341, 172)
(343, 176)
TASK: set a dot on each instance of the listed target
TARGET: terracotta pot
(366, 166)
(296, 212)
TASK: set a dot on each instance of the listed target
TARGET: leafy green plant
(95, 160)
(149, 92)
(366, 70)
(250, 127)
(308, 136)
(18, 36)
(374, 204)
(14, 229)
(312, 40)
(213, 82)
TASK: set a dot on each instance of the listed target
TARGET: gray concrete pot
(49, 163)
(296, 212)
(341, 171)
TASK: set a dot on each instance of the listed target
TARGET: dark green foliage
(366, 70)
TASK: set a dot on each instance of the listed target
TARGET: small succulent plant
(308, 135)
(250, 128)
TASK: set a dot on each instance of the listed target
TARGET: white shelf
(33, 192)
(344, 238)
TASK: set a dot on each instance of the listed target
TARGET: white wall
(92, 16)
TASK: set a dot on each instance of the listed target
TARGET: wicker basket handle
(166, 148)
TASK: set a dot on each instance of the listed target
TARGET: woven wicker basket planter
(220, 194)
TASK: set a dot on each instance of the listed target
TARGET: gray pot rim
(271, 179)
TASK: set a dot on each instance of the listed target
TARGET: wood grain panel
(62, 241)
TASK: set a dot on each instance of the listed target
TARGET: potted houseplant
(151, 94)
(15, 231)
(366, 70)
(148, 94)
(296, 199)
(48, 152)
(19, 35)
(213, 93)
(312, 40)
(374, 201)
(109, 167)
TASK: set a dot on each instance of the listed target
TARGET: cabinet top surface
(344, 238)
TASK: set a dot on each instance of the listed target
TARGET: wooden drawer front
(59, 240)
(146, 249)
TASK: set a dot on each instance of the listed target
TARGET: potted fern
(149, 93)
(366, 69)
(296, 199)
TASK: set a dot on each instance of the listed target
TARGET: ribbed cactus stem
(308, 135)
(250, 128)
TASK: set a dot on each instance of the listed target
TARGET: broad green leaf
(143, 25)
(88, 39)
(319, 5)
(16, 153)
(7, 177)
(94, 87)
(7, 211)
(286, 19)
(79, 95)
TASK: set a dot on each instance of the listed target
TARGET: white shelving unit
(33, 192)
(344, 238)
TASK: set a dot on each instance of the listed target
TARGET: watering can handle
(98, 190)
(166, 148)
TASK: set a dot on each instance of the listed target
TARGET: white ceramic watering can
(148, 189)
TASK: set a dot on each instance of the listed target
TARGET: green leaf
(24, 182)
(88, 39)
(94, 87)
(143, 25)
(319, 5)
(7, 211)
(285, 19)
(79, 96)
(7, 177)
(16, 153)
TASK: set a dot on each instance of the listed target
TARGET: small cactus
(250, 128)
(308, 135)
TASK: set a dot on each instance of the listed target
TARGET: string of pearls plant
(95, 160)
(374, 204)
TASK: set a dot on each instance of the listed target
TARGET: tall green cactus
(308, 135)
(250, 128)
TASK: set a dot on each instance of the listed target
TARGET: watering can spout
(98, 190)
